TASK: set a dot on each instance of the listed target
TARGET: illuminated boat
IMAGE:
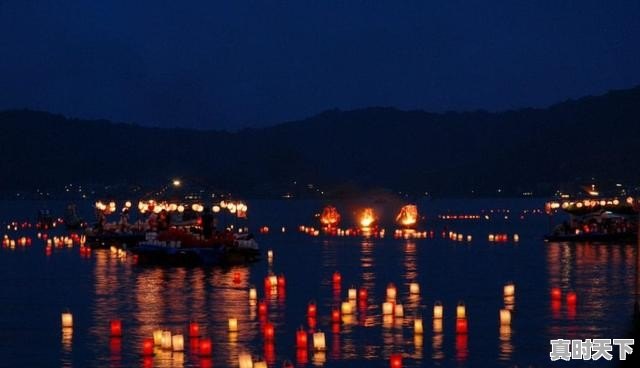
(595, 219)
(367, 218)
(408, 216)
(330, 217)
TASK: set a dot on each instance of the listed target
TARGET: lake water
(35, 288)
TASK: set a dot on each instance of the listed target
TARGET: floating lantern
(362, 294)
(273, 280)
(301, 339)
(319, 343)
(469, 238)
(505, 317)
(330, 216)
(312, 309)
(233, 325)
(346, 308)
(491, 237)
(67, 320)
(572, 298)
(262, 308)
(157, 337)
(417, 326)
(205, 347)
(461, 326)
(245, 360)
(408, 216)
(269, 331)
(556, 293)
(391, 291)
(414, 288)
(147, 347)
(352, 293)
(335, 312)
(395, 361)
(461, 311)
(260, 364)
(437, 310)
(516, 238)
(253, 294)
(398, 311)
(194, 329)
(177, 342)
(387, 308)
(166, 340)
(282, 282)
(337, 278)
(509, 289)
(270, 255)
(115, 327)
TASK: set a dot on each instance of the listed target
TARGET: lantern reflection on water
(116, 328)
(417, 326)
(387, 308)
(330, 217)
(301, 338)
(414, 288)
(408, 216)
(398, 310)
(505, 317)
(233, 325)
(396, 361)
(509, 289)
(147, 347)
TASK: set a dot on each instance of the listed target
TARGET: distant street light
(176, 182)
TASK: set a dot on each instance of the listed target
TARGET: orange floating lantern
(116, 328)
(205, 347)
(301, 339)
(556, 294)
(194, 329)
(147, 347)
(396, 360)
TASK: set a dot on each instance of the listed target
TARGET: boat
(607, 220)
(72, 220)
(183, 248)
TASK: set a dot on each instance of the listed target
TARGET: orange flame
(330, 216)
(367, 218)
(408, 215)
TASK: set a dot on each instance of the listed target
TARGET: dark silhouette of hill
(410, 151)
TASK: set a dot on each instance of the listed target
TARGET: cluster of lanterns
(459, 217)
(459, 237)
(588, 203)
(237, 208)
(571, 300)
(502, 238)
(22, 241)
(412, 234)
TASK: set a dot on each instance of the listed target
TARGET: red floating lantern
(262, 307)
(362, 293)
(147, 347)
(312, 322)
(335, 315)
(282, 282)
(461, 326)
(269, 332)
(205, 347)
(302, 356)
(572, 298)
(116, 328)
(311, 309)
(337, 278)
(236, 277)
(396, 360)
(194, 329)
(267, 283)
(301, 339)
(556, 294)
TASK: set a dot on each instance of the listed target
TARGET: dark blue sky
(237, 63)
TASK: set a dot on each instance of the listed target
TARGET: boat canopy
(626, 206)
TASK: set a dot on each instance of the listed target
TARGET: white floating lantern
(509, 289)
(245, 360)
(414, 288)
(157, 337)
(260, 364)
(177, 342)
(233, 325)
(352, 293)
(469, 238)
(417, 326)
(387, 308)
(67, 320)
(491, 237)
(437, 310)
(346, 308)
(461, 311)
(253, 294)
(270, 254)
(166, 340)
(391, 291)
(460, 237)
(319, 343)
(505, 316)
(399, 310)
(516, 238)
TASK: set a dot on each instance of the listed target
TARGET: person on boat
(207, 223)
(124, 220)
(163, 220)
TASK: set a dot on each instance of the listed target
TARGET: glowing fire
(367, 218)
(408, 215)
(330, 216)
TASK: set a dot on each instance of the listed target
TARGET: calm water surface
(35, 288)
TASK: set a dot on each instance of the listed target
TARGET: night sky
(250, 63)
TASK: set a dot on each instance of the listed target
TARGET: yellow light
(245, 360)
(509, 289)
(414, 288)
(319, 343)
(67, 320)
(505, 317)
(233, 325)
(387, 308)
(177, 342)
(216, 209)
(367, 218)
(346, 308)
(437, 310)
(166, 340)
(461, 311)
(417, 326)
(399, 311)
(176, 182)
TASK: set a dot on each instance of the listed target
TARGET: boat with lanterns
(595, 219)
